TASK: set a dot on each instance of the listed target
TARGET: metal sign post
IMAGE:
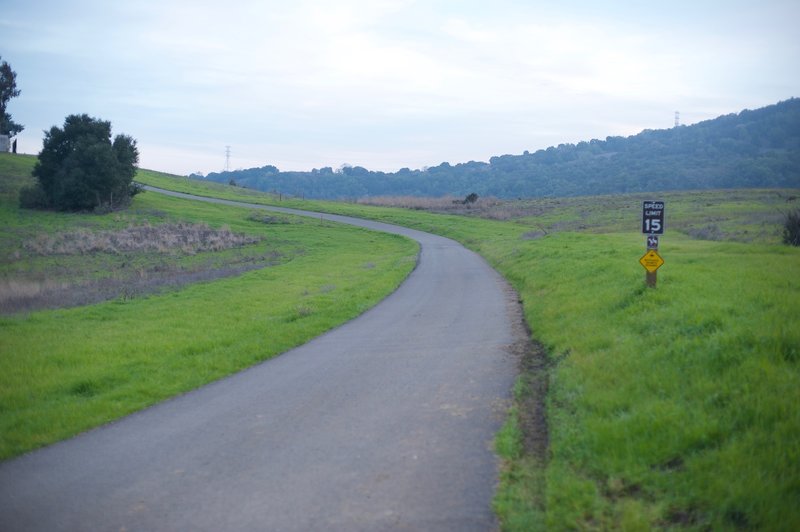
(652, 226)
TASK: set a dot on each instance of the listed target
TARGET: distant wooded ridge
(751, 149)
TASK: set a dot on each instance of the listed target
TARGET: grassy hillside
(666, 408)
(672, 408)
(68, 369)
(758, 148)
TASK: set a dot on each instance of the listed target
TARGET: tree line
(752, 149)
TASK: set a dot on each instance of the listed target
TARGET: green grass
(672, 408)
(64, 371)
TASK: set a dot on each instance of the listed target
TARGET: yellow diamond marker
(651, 261)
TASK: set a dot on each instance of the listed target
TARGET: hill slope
(759, 148)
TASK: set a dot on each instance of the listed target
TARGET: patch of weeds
(270, 219)
(533, 235)
(618, 488)
(673, 464)
(789, 351)
(300, 312)
(680, 517)
(737, 519)
(127, 293)
(84, 388)
(166, 238)
(791, 228)
(151, 213)
(706, 232)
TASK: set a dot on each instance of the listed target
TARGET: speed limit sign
(653, 217)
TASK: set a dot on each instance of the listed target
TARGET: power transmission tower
(677, 118)
(227, 158)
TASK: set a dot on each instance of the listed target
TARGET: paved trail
(385, 423)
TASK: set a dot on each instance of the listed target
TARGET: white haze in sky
(387, 84)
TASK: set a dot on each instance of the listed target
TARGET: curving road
(385, 423)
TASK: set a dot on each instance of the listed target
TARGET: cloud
(394, 80)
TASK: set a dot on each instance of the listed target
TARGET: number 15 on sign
(653, 217)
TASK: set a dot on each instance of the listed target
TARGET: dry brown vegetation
(164, 238)
(25, 295)
(490, 208)
(84, 266)
(734, 215)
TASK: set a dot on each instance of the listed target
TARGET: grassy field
(666, 408)
(69, 369)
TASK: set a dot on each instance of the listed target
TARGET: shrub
(33, 197)
(791, 228)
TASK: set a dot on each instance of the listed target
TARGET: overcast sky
(386, 84)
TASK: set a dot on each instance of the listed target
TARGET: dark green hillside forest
(751, 149)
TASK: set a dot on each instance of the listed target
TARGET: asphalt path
(384, 423)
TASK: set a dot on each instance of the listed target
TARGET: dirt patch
(534, 368)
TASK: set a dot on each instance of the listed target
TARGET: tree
(79, 168)
(8, 90)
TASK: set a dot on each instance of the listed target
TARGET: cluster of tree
(759, 148)
(79, 167)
